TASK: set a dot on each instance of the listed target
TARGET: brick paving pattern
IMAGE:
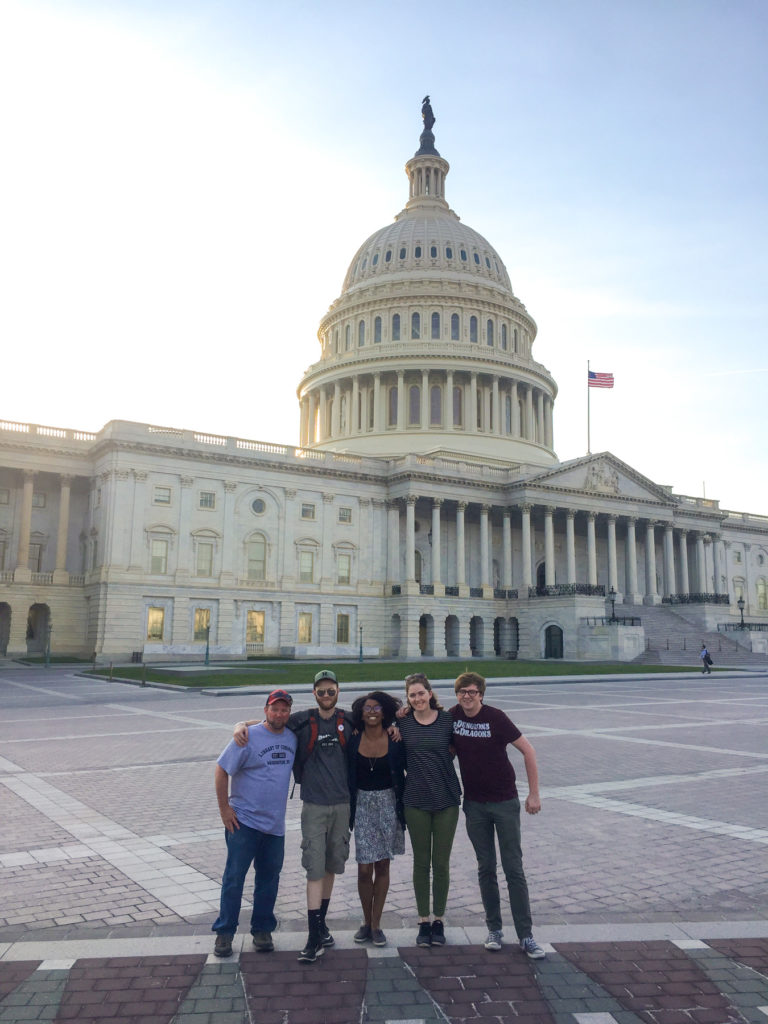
(280, 990)
(12, 973)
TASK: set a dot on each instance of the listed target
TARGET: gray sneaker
(378, 938)
(531, 948)
(262, 942)
(494, 940)
(363, 933)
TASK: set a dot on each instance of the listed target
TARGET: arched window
(361, 334)
(448, 252)
(435, 325)
(436, 405)
(417, 252)
(415, 326)
(504, 337)
(433, 252)
(388, 256)
(347, 338)
(762, 595)
(454, 327)
(458, 407)
(489, 332)
(508, 414)
(396, 327)
(257, 558)
(377, 331)
(487, 263)
(514, 341)
(477, 259)
(473, 329)
(414, 405)
(402, 253)
(463, 255)
(375, 259)
(392, 422)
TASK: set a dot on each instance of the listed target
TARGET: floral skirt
(378, 833)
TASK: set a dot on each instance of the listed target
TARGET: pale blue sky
(185, 184)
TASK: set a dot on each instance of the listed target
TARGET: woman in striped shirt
(432, 797)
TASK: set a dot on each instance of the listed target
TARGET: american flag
(600, 380)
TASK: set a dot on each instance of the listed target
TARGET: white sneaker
(531, 948)
(494, 940)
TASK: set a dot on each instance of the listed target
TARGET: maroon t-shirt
(481, 746)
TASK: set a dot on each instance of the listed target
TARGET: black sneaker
(326, 939)
(312, 950)
(438, 935)
(223, 945)
(424, 938)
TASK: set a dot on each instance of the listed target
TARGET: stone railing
(696, 599)
(34, 429)
(505, 593)
(748, 627)
(568, 590)
(606, 620)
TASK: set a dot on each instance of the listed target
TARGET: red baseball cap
(279, 695)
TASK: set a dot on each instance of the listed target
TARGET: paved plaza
(648, 866)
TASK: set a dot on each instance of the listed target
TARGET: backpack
(312, 722)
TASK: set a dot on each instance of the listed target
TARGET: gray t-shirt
(260, 776)
(431, 783)
(324, 778)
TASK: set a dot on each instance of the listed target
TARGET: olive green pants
(431, 835)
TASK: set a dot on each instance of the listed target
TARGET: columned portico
(549, 547)
(570, 547)
(683, 552)
(591, 550)
(651, 592)
(613, 572)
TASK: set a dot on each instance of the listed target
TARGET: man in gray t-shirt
(321, 768)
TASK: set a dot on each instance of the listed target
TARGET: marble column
(516, 432)
(137, 563)
(304, 413)
(717, 556)
(570, 547)
(393, 542)
(683, 550)
(701, 564)
(25, 525)
(506, 543)
(540, 436)
(379, 419)
(410, 538)
(613, 570)
(670, 585)
(353, 420)
(529, 413)
(471, 424)
(634, 595)
(485, 574)
(591, 550)
(460, 552)
(336, 410)
(63, 528)
(549, 547)
(527, 557)
(651, 591)
(228, 573)
(323, 414)
(436, 568)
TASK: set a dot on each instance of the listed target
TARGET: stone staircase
(673, 639)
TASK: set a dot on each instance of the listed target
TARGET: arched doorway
(5, 627)
(427, 635)
(499, 636)
(476, 636)
(514, 638)
(553, 642)
(38, 623)
(452, 636)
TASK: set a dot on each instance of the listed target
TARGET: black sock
(324, 904)
(315, 922)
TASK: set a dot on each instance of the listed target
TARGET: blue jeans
(246, 846)
(485, 822)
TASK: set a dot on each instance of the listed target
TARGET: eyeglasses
(330, 692)
(468, 693)
(371, 708)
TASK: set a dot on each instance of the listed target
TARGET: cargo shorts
(324, 839)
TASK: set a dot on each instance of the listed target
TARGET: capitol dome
(427, 350)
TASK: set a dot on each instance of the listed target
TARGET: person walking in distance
(706, 661)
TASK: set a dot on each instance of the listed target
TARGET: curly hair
(389, 706)
(419, 677)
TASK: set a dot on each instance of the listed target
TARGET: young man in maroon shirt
(491, 805)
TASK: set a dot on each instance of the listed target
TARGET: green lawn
(289, 673)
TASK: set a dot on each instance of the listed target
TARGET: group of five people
(376, 771)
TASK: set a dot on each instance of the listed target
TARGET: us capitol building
(425, 511)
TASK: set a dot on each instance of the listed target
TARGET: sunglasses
(330, 692)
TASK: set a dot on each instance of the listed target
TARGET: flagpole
(589, 452)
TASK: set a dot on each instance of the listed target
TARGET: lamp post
(48, 646)
(207, 644)
(612, 599)
(361, 643)
(740, 606)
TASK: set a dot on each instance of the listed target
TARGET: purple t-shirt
(481, 747)
(260, 775)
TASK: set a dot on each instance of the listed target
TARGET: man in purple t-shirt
(491, 805)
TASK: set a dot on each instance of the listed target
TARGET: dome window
(463, 254)
(435, 326)
(458, 407)
(477, 259)
(435, 405)
(347, 338)
(365, 263)
(377, 331)
(515, 341)
(392, 421)
(336, 340)
(388, 256)
(504, 337)
(396, 327)
(361, 334)
(375, 259)
(414, 405)
(402, 253)
(454, 327)
(433, 252)
(487, 262)
(417, 252)
(472, 329)
(415, 326)
(489, 332)
(448, 252)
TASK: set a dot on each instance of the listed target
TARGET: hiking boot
(326, 939)
(424, 938)
(437, 933)
(363, 933)
(378, 938)
(223, 945)
(531, 948)
(494, 940)
(312, 950)
(262, 942)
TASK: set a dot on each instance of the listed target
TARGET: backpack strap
(340, 719)
(313, 730)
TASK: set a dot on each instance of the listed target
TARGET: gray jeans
(485, 822)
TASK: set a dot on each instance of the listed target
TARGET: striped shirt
(431, 783)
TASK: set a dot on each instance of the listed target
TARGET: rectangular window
(5, 495)
(162, 496)
(737, 557)
(202, 623)
(207, 499)
(254, 628)
(159, 559)
(38, 499)
(257, 559)
(342, 628)
(307, 510)
(305, 628)
(204, 560)
(345, 568)
(306, 566)
(35, 557)
(155, 623)
(345, 515)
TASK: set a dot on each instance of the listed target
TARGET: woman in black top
(376, 783)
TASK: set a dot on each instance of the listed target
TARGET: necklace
(372, 762)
